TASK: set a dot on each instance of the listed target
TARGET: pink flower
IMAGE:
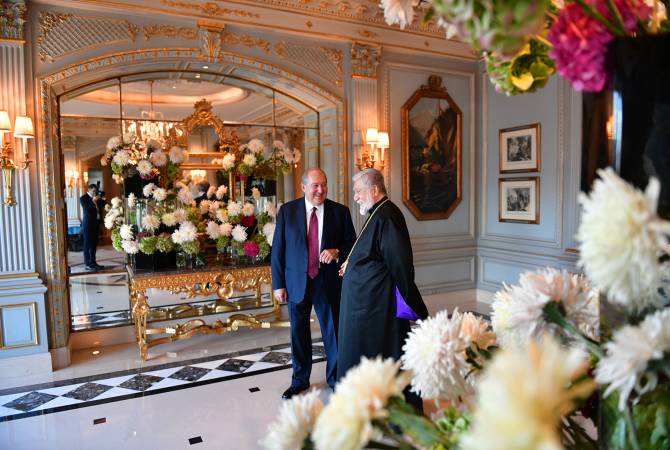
(580, 42)
(251, 248)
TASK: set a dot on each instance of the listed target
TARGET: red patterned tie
(313, 245)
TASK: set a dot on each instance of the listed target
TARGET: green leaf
(415, 425)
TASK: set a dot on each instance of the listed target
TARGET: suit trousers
(301, 336)
(90, 245)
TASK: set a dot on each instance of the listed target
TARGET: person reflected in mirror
(92, 206)
(312, 237)
(380, 265)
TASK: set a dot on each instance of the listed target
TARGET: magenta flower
(251, 248)
(580, 41)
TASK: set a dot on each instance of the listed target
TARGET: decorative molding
(210, 9)
(365, 60)
(12, 18)
(64, 34)
(210, 39)
(169, 31)
(326, 62)
(245, 40)
(367, 34)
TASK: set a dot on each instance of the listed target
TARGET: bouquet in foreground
(542, 372)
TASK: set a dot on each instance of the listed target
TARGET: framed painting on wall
(519, 200)
(431, 152)
(520, 149)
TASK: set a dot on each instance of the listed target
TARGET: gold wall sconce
(23, 128)
(72, 179)
(373, 156)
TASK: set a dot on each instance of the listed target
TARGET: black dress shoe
(293, 390)
(99, 267)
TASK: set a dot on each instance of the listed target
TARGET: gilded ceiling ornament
(365, 60)
(326, 62)
(245, 40)
(169, 31)
(12, 18)
(211, 36)
(367, 34)
(210, 9)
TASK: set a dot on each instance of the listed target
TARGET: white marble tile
(210, 364)
(252, 357)
(116, 380)
(61, 390)
(58, 401)
(217, 374)
(114, 392)
(167, 382)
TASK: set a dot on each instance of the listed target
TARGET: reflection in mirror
(155, 106)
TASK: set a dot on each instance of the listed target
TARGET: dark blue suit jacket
(89, 223)
(289, 248)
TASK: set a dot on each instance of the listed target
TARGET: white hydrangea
(278, 146)
(159, 194)
(132, 200)
(144, 167)
(177, 155)
(116, 202)
(121, 158)
(269, 232)
(228, 161)
(256, 146)
(113, 142)
(249, 160)
(213, 230)
(185, 196)
(621, 238)
(169, 219)
(239, 233)
(214, 207)
(294, 423)
(234, 209)
(129, 246)
(221, 191)
(158, 158)
(148, 190)
(187, 232)
(180, 215)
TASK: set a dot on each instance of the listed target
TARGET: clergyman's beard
(366, 207)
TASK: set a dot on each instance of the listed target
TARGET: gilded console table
(222, 282)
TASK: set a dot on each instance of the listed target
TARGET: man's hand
(280, 295)
(329, 255)
(96, 198)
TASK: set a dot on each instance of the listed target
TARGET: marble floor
(212, 391)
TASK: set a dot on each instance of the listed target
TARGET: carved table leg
(140, 313)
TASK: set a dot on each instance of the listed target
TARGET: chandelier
(151, 125)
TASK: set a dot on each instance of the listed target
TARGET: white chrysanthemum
(204, 207)
(129, 246)
(248, 209)
(186, 232)
(287, 154)
(360, 397)
(239, 233)
(144, 167)
(295, 422)
(256, 146)
(185, 196)
(113, 142)
(269, 232)
(109, 222)
(158, 158)
(150, 222)
(434, 352)
(211, 192)
(121, 158)
(255, 193)
(518, 309)
(621, 238)
(522, 397)
(160, 194)
(226, 229)
(214, 206)
(148, 190)
(234, 209)
(271, 209)
(249, 160)
(126, 232)
(118, 179)
(132, 200)
(221, 191)
(128, 138)
(477, 330)
(213, 230)
(279, 146)
(629, 353)
(228, 161)
(169, 219)
(399, 11)
(116, 202)
(177, 155)
(222, 215)
(180, 215)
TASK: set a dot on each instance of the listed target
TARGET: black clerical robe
(380, 261)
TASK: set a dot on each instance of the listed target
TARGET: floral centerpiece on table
(283, 157)
(524, 42)
(128, 156)
(530, 381)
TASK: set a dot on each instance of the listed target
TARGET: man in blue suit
(91, 203)
(312, 238)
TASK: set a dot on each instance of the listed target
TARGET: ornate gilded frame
(432, 90)
(51, 179)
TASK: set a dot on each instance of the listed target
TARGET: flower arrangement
(283, 157)
(524, 42)
(128, 156)
(529, 382)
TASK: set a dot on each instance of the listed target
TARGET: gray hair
(305, 175)
(371, 177)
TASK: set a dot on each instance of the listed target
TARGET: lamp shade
(358, 137)
(5, 124)
(371, 135)
(23, 127)
(383, 140)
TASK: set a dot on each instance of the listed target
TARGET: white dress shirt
(319, 217)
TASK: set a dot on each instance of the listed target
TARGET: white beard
(365, 208)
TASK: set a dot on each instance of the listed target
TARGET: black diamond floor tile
(189, 373)
(30, 401)
(318, 351)
(277, 358)
(236, 365)
(87, 391)
(140, 382)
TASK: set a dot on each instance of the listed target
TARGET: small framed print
(519, 200)
(520, 149)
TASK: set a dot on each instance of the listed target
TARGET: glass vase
(184, 260)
